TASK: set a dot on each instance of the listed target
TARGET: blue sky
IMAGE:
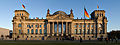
(38, 8)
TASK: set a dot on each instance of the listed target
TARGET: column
(34, 28)
(53, 29)
(57, 29)
(66, 28)
(71, 29)
(62, 30)
(43, 29)
(48, 29)
(78, 28)
(90, 28)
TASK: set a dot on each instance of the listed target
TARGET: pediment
(61, 17)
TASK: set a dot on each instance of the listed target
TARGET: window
(80, 31)
(75, 25)
(19, 31)
(36, 31)
(102, 14)
(44, 25)
(36, 26)
(83, 25)
(31, 25)
(91, 25)
(28, 31)
(17, 14)
(40, 31)
(75, 31)
(40, 25)
(32, 31)
(20, 14)
(92, 31)
(28, 25)
(88, 31)
(97, 14)
(84, 31)
(79, 25)
(19, 25)
(45, 31)
(88, 25)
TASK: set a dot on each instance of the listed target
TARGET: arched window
(40, 25)
(36, 25)
(75, 25)
(17, 14)
(36, 31)
(31, 25)
(32, 31)
(20, 14)
(28, 31)
(19, 31)
(40, 31)
(19, 25)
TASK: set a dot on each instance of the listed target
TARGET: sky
(38, 8)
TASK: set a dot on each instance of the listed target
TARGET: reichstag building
(59, 26)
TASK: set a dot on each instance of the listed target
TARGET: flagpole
(84, 20)
(84, 23)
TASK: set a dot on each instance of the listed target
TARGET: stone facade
(58, 26)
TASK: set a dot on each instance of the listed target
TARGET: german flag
(23, 6)
(85, 12)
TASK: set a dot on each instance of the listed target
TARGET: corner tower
(101, 22)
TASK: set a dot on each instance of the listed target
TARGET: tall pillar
(57, 29)
(48, 29)
(53, 29)
(66, 28)
(77, 28)
(69, 28)
(43, 29)
(62, 30)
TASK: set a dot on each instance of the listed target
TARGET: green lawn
(52, 43)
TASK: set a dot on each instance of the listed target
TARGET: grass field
(54, 43)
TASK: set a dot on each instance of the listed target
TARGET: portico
(59, 28)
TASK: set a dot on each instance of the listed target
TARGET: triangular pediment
(60, 17)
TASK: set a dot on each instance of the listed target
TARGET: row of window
(88, 31)
(101, 14)
(21, 14)
(83, 25)
(37, 26)
(32, 31)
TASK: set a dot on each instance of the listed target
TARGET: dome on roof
(60, 12)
